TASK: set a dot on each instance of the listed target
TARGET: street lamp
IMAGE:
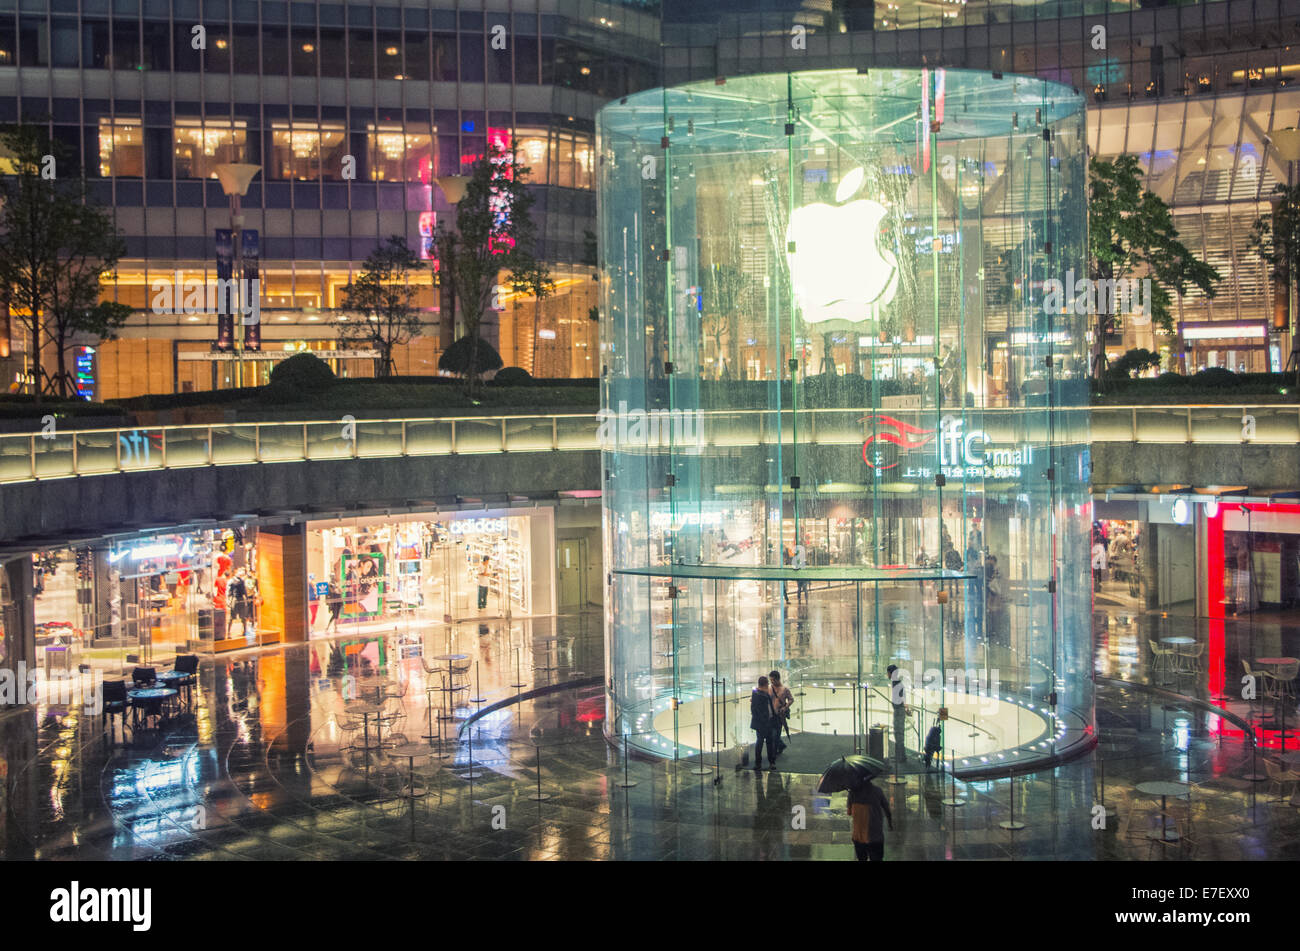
(1287, 144)
(453, 189)
(235, 177)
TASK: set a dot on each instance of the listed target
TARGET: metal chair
(1161, 656)
(1280, 777)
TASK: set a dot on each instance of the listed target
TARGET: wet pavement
(271, 763)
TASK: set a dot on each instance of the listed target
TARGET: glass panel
(428, 437)
(15, 458)
(325, 441)
(233, 444)
(379, 438)
(1155, 424)
(281, 442)
(140, 449)
(96, 452)
(478, 435)
(186, 446)
(528, 434)
(577, 432)
(54, 456)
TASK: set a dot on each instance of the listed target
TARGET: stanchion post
(539, 796)
(700, 769)
(1011, 825)
(626, 783)
(953, 800)
(478, 686)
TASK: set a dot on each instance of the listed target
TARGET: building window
(121, 148)
(307, 152)
(398, 156)
(199, 147)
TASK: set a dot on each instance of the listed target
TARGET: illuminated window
(399, 156)
(121, 148)
(199, 146)
(307, 152)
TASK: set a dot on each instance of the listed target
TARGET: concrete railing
(87, 452)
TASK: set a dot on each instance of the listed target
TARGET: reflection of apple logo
(838, 268)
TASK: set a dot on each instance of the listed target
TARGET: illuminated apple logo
(838, 268)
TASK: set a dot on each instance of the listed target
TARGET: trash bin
(876, 741)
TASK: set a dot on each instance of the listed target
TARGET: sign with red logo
(876, 451)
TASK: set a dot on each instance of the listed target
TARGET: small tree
(1276, 238)
(382, 301)
(1134, 361)
(495, 233)
(55, 247)
(1130, 231)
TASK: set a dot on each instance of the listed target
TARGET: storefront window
(363, 576)
(307, 152)
(121, 148)
(201, 146)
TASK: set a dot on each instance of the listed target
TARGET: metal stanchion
(539, 796)
(478, 689)
(626, 783)
(700, 769)
(519, 678)
(473, 773)
(428, 709)
(445, 714)
(1254, 776)
(953, 800)
(1011, 825)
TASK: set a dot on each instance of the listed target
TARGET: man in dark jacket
(762, 718)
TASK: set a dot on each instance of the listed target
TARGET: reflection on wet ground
(279, 760)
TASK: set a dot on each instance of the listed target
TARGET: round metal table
(1164, 790)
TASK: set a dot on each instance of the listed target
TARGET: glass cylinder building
(844, 423)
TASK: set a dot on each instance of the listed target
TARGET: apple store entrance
(832, 631)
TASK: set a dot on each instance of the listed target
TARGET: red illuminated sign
(898, 433)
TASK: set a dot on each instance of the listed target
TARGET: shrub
(1215, 377)
(513, 376)
(304, 373)
(1171, 379)
(456, 358)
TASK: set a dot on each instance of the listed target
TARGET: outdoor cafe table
(367, 710)
(174, 679)
(1164, 790)
(151, 698)
(452, 687)
(410, 751)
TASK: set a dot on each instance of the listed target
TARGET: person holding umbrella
(869, 809)
(868, 806)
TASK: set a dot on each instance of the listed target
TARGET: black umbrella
(849, 772)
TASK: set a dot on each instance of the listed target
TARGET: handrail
(33, 456)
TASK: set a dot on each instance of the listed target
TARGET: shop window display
(148, 599)
(365, 575)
